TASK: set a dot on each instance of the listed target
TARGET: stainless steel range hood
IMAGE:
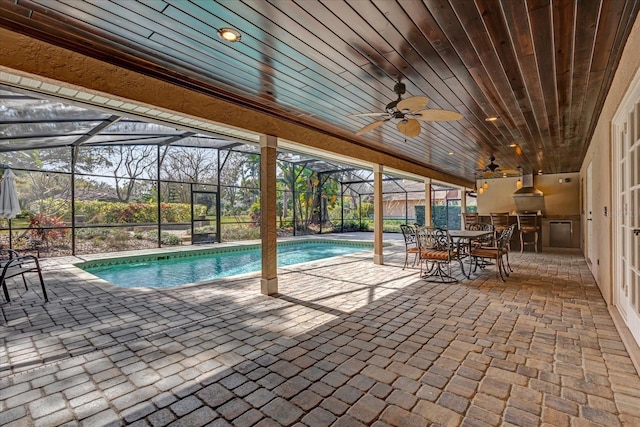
(527, 189)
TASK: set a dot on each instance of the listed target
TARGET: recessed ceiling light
(513, 145)
(451, 153)
(229, 34)
(491, 119)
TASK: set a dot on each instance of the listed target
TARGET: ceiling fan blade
(369, 115)
(371, 126)
(437, 115)
(409, 127)
(509, 171)
(413, 103)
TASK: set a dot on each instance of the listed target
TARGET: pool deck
(345, 343)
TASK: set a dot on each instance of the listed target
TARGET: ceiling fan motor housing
(399, 89)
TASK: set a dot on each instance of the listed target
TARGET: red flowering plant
(43, 228)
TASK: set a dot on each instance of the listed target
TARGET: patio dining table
(467, 236)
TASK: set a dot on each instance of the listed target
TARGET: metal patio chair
(498, 253)
(437, 251)
(411, 244)
(13, 265)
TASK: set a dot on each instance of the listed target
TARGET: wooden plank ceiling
(543, 67)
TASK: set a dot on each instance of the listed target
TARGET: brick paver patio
(346, 343)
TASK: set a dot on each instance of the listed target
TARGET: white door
(626, 170)
(589, 203)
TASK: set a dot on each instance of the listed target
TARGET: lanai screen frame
(78, 138)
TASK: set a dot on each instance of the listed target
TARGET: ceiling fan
(493, 170)
(407, 114)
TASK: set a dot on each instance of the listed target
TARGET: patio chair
(437, 251)
(481, 226)
(410, 243)
(498, 253)
(13, 265)
(500, 222)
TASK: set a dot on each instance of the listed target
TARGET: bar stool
(528, 224)
(500, 222)
(469, 218)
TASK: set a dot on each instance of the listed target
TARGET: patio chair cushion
(437, 255)
(484, 252)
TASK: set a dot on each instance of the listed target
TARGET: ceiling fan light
(229, 34)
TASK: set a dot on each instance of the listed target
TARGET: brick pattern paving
(346, 343)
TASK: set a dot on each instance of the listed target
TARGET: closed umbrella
(9, 205)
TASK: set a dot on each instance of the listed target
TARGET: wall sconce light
(519, 184)
(480, 190)
(485, 185)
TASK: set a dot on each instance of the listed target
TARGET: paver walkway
(346, 343)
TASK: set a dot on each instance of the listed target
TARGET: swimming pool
(174, 269)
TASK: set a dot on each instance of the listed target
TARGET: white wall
(560, 199)
(599, 154)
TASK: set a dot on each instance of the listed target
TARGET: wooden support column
(427, 202)
(377, 215)
(268, 234)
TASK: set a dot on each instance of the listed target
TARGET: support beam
(427, 202)
(268, 234)
(377, 215)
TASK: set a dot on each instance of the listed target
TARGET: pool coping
(115, 258)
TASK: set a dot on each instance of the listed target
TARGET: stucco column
(463, 200)
(427, 202)
(463, 205)
(268, 234)
(377, 215)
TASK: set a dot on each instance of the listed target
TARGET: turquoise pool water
(163, 273)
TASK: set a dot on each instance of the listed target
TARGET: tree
(188, 164)
(240, 178)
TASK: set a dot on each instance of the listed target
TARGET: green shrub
(351, 225)
(366, 208)
(101, 212)
(166, 238)
(204, 230)
(90, 233)
(239, 232)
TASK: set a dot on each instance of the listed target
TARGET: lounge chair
(13, 265)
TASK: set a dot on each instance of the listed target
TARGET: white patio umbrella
(9, 205)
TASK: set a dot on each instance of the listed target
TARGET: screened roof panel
(35, 121)
(125, 139)
(32, 143)
(137, 127)
(28, 130)
(30, 109)
(29, 123)
(203, 141)
(339, 171)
